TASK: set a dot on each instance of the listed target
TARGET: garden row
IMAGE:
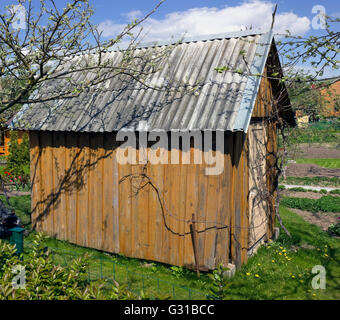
(312, 181)
(301, 189)
(324, 204)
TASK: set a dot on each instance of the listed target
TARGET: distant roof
(216, 101)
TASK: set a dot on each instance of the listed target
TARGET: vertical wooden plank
(156, 210)
(92, 192)
(191, 203)
(136, 211)
(173, 204)
(211, 216)
(108, 194)
(99, 181)
(115, 200)
(223, 234)
(95, 191)
(143, 214)
(244, 208)
(200, 213)
(47, 183)
(236, 198)
(83, 191)
(166, 199)
(71, 186)
(59, 182)
(182, 211)
(125, 221)
(35, 168)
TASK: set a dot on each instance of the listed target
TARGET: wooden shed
(171, 213)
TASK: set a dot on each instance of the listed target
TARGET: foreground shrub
(46, 281)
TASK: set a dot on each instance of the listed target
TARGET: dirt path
(15, 193)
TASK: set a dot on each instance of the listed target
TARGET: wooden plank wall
(79, 194)
(263, 117)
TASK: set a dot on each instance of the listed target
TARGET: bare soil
(320, 153)
(323, 220)
(314, 152)
(310, 170)
(309, 195)
(15, 193)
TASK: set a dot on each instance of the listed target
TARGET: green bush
(324, 204)
(46, 281)
(18, 160)
(17, 171)
(336, 191)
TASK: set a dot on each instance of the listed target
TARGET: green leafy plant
(335, 228)
(44, 280)
(17, 171)
(219, 285)
(177, 271)
(324, 204)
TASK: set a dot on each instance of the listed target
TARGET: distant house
(331, 100)
(301, 119)
(5, 138)
(83, 194)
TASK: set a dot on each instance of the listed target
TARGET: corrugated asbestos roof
(192, 94)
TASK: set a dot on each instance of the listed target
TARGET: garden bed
(322, 220)
(310, 170)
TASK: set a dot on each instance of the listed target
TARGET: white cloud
(198, 21)
(132, 15)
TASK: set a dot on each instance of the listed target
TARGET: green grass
(155, 279)
(313, 181)
(22, 206)
(278, 277)
(312, 135)
(324, 163)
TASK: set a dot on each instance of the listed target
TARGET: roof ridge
(203, 37)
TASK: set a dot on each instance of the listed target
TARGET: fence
(107, 269)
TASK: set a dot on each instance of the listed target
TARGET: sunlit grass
(279, 270)
(324, 163)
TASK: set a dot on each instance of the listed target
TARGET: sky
(178, 18)
(194, 17)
